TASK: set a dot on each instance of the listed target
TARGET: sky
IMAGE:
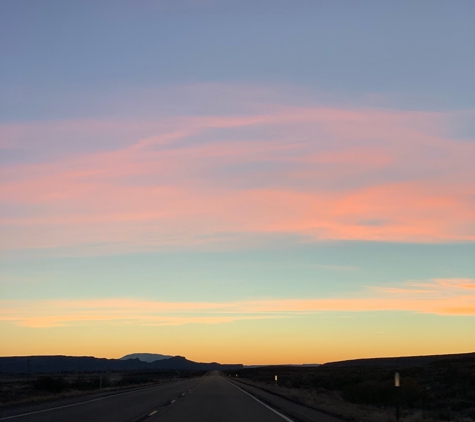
(250, 181)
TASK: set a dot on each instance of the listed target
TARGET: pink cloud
(315, 172)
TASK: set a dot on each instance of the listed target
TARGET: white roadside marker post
(397, 384)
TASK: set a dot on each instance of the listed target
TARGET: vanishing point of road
(211, 398)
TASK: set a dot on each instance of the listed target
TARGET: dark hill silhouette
(58, 364)
(398, 362)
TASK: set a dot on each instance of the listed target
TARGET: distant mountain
(57, 364)
(146, 357)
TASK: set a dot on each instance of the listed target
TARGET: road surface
(207, 399)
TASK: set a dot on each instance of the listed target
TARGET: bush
(371, 392)
(51, 384)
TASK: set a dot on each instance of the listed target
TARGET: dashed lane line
(72, 405)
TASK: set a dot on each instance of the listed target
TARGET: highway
(210, 398)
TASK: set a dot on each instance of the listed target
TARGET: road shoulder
(297, 412)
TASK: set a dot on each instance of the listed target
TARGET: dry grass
(332, 403)
(21, 394)
(16, 391)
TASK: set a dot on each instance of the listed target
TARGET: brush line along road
(208, 399)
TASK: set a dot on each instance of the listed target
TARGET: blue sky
(171, 169)
(76, 53)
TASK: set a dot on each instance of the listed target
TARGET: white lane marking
(256, 399)
(152, 413)
(173, 401)
(72, 405)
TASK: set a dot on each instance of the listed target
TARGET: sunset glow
(155, 204)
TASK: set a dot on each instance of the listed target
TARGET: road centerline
(73, 404)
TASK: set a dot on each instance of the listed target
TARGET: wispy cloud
(318, 173)
(438, 296)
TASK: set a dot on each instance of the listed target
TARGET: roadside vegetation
(22, 389)
(439, 391)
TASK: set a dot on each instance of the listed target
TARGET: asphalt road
(208, 399)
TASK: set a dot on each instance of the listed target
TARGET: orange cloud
(439, 296)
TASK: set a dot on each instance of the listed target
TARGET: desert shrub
(135, 379)
(106, 382)
(91, 382)
(85, 384)
(411, 393)
(370, 392)
(383, 392)
(470, 413)
(51, 384)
